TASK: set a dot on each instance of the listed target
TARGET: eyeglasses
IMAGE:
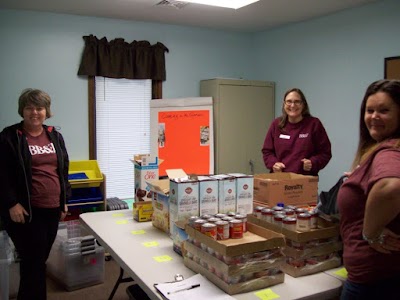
(294, 102)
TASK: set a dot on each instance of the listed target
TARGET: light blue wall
(332, 59)
(43, 50)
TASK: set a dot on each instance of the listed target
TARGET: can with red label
(289, 223)
(198, 223)
(278, 218)
(210, 230)
(257, 211)
(267, 215)
(227, 218)
(314, 220)
(206, 216)
(213, 220)
(222, 230)
(236, 229)
(303, 222)
(219, 215)
(244, 221)
(192, 219)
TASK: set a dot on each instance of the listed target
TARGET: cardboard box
(179, 237)
(311, 269)
(236, 288)
(226, 193)
(183, 197)
(244, 193)
(174, 199)
(256, 239)
(325, 229)
(160, 201)
(143, 211)
(289, 188)
(208, 195)
(146, 168)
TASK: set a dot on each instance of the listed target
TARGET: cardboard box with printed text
(160, 200)
(289, 188)
(146, 168)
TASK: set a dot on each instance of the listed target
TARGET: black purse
(327, 200)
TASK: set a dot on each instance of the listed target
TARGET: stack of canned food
(243, 263)
(220, 226)
(290, 217)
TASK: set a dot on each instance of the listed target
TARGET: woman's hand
(278, 167)
(64, 213)
(307, 164)
(18, 213)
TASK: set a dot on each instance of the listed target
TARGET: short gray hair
(34, 97)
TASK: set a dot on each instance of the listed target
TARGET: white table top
(140, 249)
(339, 273)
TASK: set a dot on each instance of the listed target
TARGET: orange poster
(184, 141)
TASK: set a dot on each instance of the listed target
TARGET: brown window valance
(119, 59)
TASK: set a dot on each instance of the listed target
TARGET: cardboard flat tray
(236, 269)
(315, 251)
(255, 239)
(241, 287)
(311, 269)
(325, 229)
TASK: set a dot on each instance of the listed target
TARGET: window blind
(122, 130)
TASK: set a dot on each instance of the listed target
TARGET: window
(122, 129)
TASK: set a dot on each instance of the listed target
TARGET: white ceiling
(258, 16)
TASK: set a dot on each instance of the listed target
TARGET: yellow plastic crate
(90, 168)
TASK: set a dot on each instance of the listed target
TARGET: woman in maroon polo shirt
(369, 200)
(296, 141)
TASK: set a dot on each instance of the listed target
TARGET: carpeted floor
(96, 292)
(56, 291)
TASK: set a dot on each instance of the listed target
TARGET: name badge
(284, 136)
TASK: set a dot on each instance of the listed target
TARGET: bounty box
(289, 188)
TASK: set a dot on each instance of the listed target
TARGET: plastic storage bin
(75, 262)
(84, 174)
(84, 195)
(5, 261)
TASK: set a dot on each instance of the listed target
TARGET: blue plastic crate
(82, 195)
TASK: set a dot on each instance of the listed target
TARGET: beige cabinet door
(243, 111)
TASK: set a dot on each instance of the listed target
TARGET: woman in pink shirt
(369, 200)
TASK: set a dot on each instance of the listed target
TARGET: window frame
(156, 93)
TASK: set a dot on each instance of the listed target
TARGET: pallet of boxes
(235, 255)
(284, 203)
(191, 208)
(239, 262)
